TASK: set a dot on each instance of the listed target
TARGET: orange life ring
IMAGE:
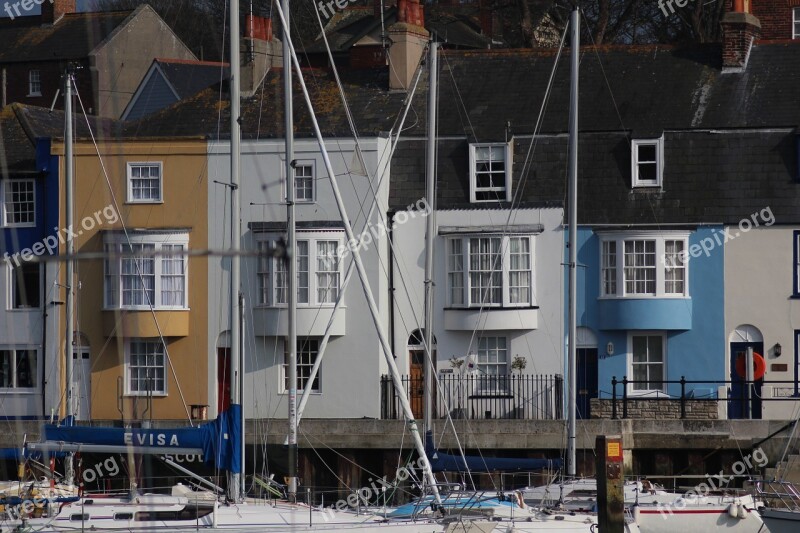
(759, 366)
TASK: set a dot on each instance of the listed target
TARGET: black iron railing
(522, 397)
(743, 398)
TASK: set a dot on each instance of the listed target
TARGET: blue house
(31, 310)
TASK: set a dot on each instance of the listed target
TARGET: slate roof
(374, 107)
(17, 150)
(74, 36)
(189, 77)
(729, 144)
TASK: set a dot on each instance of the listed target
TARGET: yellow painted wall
(185, 194)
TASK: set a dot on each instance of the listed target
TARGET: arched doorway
(744, 401)
(81, 377)
(416, 368)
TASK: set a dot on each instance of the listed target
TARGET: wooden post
(610, 493)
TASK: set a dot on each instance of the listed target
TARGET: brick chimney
(408, 37)
(53, 10)
(739, 30)
(260, 52)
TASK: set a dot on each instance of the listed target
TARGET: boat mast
(362, 274)
(234, 479)
(70, 317)
(291, 290)
(430, 196)
(573, 237)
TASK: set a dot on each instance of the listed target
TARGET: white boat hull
(781, 520)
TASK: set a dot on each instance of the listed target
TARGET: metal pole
(362, 274)
(291, 296)
(429, 366)
(749, 378)
(69, 471)
(573, 238)
(236, 392)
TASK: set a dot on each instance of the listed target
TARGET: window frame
(129, 182)
(270, 274)
(796, 23)
(113, 245)
(128, 391)
(661, 266)
(637, 182)
(473, 184)
(284, 376)
(486, 379)
(630, 363)
(505, 271)
(4, 192)
(14, 348)
(37, 81)
(306, 163)
(12, 286)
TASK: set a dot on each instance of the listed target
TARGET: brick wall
(775, 17)
(656, 409)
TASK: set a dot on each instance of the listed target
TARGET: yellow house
(140, 347)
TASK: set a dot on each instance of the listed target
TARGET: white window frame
(310, 163)
(269, 268)
(5, 191)
(129, 182)
(12, 285)
(661, 263)
(128, 390)
(796, 23)
(116, 243)
(659, 162)
(632, 391)
(36, 381)
(504, 267)
(34, 80)
(473, 183)
(301, 364)
(481, 372)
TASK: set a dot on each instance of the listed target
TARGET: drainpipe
(389, 217)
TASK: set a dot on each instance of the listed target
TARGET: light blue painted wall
(696, 344)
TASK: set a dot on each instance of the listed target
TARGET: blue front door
(739, 397)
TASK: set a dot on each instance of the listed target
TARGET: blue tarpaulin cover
(445, 462)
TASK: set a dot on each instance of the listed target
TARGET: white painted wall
(542, 346)
(758, 291)
(353, 363)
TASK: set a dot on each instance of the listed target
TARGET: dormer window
(647, 162)
(796, 23)
(34, 83)
(489, 172)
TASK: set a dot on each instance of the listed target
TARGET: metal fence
(743, 398)
(517, 396)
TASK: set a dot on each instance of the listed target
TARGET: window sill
(491, 307)
(145, 395)
(24, 309)
(299, 306)
(146, 308)
(647, 297)
(300, 392)
(20, 225)
(646, 186)
(145, 202)
(23, 391)
(32, 95)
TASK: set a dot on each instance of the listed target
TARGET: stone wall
(656, 409)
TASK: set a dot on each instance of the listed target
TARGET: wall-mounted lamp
(610, 348)
(778, 349)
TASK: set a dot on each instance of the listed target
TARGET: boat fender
(636, 512)
(742, 511)
(520, 499)
(733, 510)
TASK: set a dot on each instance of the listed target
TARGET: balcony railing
(520, 397)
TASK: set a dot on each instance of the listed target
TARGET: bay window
(146, 270)
(318, 269)
(639, 264)
(490, 271)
